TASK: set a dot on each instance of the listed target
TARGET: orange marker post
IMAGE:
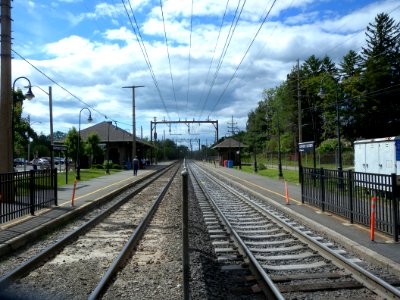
(287, 193)
(73, 194)
(372, 231)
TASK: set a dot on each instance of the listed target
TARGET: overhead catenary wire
(169, 58)
(215, 48)
(244, 56)
(189, 62)
(144, 53)
(189, 68)
(228, 40)
(62, 87)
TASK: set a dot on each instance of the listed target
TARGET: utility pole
(51, 127)
(6, 145)
(299, 119)
(133, 87)
(299, 102)
(232, 127)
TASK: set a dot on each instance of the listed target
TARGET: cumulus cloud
(102, 55)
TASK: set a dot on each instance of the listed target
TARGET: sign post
(62, 148)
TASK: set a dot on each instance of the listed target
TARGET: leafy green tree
(41, 146)
(352, 91)
(380, 115)
(71, 141)
(92, 148)
(22, 129)
(257, 125)
(59, 136)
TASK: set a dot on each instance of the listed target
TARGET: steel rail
(268, 287)
(49, 251)
(130, 244)
(371, 281)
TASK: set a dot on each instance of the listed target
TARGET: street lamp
(322, 95)
(29, 95)
(51, 122)
(108, 148)
(78, 158)
(29, 140)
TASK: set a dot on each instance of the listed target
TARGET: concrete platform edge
(23, 239)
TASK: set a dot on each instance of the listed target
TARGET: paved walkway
(356, 237)
(87, 194)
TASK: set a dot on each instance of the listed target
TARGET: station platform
(356, 238)
(88, 193)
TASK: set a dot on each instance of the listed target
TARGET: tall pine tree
(381, 105)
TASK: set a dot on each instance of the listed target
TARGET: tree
(59, 136)
(257, 125)
(22, 129)
(92, 148)
(71, 141)
(352, 93)
(381, 105)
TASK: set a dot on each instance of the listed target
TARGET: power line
(245, 54)
(60, 86)
(228, 40)
(190, 50)
(215, 48)
(144, 52)
(169, 58)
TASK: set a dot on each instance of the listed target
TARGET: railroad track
(287, 260)
(83, 263)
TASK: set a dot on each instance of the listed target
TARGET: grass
(289, 175)
(86, 174)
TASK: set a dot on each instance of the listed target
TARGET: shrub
(262, 167)
(97, 166)
(107, 164)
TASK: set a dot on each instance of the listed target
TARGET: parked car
(19, 161)
(59, 160)
(43, 162)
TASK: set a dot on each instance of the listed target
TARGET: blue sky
(90, 50)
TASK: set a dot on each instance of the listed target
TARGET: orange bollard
(372, 231)
(287, 193)
(73, 194)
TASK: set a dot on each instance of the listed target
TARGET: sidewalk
(88, 194)
(353, 236)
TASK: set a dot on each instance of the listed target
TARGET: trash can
(230, 163)
(225, 163)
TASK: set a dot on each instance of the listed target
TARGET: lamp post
(108, 148)
(29, 95)
(322, 95)
(50, 94)
(78, 158)
(29, 140)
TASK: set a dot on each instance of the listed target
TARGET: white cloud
(95, 66)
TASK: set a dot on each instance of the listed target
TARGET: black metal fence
(349, 194)
(23, 193)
